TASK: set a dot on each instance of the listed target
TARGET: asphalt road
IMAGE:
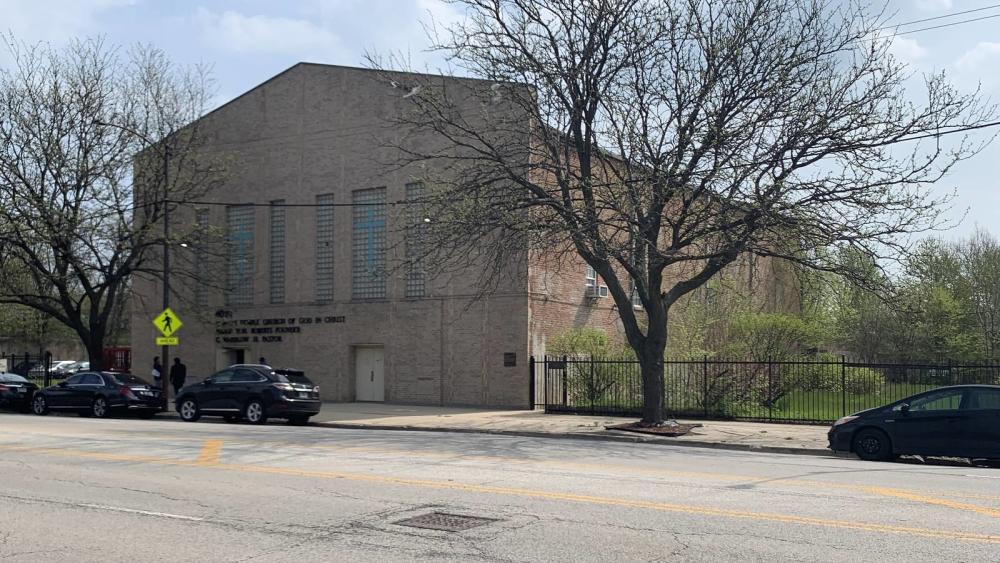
(75, 489)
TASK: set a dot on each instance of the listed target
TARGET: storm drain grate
(445, 522)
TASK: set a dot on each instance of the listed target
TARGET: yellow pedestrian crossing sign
(168, 322)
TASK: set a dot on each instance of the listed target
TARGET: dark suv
(253, 393)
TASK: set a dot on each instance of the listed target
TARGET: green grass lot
(798, 406)
(827, 406)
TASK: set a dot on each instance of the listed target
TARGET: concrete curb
(612, 436)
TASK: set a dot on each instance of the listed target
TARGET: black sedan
(16, 392)
(99, 394)
(253, 393)
(957, 421)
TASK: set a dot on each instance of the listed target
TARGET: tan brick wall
(316, 130)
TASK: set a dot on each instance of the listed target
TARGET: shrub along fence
(771, 391)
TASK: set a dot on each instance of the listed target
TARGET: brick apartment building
(311, 286)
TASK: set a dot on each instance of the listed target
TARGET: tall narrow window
(416, 233)
(636, 299)
(277, 254)
(368, 245)
(201, 219)
(240, 262)
(324, 247)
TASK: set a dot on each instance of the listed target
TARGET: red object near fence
(117, 359)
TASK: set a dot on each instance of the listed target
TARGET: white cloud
(980, 66)
(237, 32)
(54, 21)
(906, 49)
(980, 57)
(385, 26)
(934, 5)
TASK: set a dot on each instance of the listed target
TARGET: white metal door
(368, 362)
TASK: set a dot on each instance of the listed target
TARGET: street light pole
(165, 350)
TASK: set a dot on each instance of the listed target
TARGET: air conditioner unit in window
(595, 292)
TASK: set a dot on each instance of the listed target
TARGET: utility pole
(165, 350)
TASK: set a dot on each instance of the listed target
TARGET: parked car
(253, 393)
(956, 421)
(61, 369)
(16, 392)
(99, 394)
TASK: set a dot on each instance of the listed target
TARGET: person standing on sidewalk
(157, 372)
(178, 373)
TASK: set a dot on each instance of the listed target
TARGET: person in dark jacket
(178, 373)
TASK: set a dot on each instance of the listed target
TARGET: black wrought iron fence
(35, 367)
(772, 391)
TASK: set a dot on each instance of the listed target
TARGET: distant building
(312, 287)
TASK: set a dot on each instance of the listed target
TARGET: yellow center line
(529, 493)
(912, 495)
(211, 451)
(898, 493)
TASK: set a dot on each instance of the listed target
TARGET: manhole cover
(445, 522)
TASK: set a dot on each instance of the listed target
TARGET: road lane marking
(530, 493)
(899, 493)
(211, 451)
(143, 512)
(36, 500)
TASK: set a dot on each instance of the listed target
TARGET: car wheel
(40, 406)
(871, 444)
(254, 412)
(189, 410)
(99, 408)
(232, 418)
(298, 420)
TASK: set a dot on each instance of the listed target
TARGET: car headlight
(845, 420)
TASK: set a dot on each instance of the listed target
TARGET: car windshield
(12, 378)
(291, 376)
(128, 379)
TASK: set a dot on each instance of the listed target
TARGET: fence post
(565, 383)
(593, 384)
(770, 389)
(545, 382)
(843, 385)
(704, 385)
(48, 368)
(531, 383)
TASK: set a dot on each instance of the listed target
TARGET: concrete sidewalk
(752, 436)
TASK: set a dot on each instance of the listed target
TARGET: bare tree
(660, 141)
(73, 229)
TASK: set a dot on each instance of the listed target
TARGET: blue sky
(248, 41)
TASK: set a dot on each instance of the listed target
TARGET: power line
(196, 203)
(943, 16)
(946, 25)
(957, 129)
(269, 204)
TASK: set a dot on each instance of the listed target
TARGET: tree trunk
(651, 362)
(95, 352)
